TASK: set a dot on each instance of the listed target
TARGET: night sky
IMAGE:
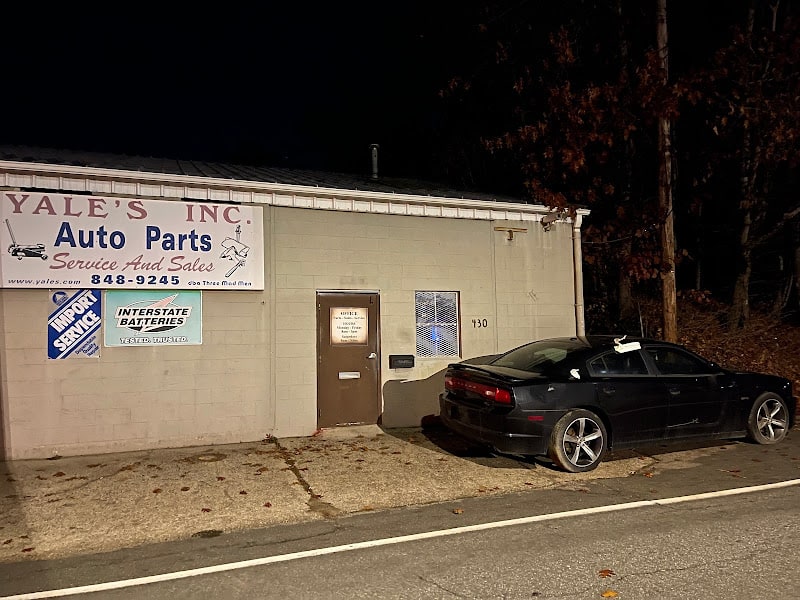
(293, 85)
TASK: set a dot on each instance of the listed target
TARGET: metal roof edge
(271, 187)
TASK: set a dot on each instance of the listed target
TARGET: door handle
(674, 391)
(372, 355)
(609, 390)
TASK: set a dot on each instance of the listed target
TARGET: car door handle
(609, 390)
(673, 391)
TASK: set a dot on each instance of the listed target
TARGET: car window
(618, 363)
(671, 361)
(539, 357)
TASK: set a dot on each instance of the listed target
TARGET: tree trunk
(669, 296)
(626, 307)
(740, 304)
(797, 275)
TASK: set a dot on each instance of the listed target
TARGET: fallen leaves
(185, 489)
(59, 474)
(157, 491)
(205, 510)
(606, 573)
(267, 504)
(734, 472)
(458, 511)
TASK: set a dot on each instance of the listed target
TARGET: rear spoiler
(504, 373)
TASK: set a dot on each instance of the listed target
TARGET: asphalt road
(736, 546)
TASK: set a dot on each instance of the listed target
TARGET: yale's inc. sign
(68, 241)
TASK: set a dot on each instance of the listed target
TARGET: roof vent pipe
(373, 149)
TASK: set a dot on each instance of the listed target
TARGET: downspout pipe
(577, 269)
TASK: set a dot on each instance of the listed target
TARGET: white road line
(125, 583)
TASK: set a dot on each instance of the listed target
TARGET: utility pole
(669, 295)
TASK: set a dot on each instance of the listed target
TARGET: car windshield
(539, 357)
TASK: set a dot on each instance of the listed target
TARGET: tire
(578, 441)
(768, 421)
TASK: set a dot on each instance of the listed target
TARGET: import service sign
(74, 324)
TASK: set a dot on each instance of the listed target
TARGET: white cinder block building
(154, 303)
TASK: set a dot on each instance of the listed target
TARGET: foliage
(583, 134)
(572, 98)
(748, 99)
(763, 344)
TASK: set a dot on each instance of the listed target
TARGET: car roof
(602, 342)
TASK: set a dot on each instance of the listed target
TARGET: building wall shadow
(407, 402)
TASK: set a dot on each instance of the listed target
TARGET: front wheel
(578, 441)
(769, 419)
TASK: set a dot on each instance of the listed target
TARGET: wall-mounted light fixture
(511, 231)
(550, 218)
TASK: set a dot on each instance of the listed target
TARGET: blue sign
(74, 324)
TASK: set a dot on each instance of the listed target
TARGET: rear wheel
(578, 441)
(769, 419)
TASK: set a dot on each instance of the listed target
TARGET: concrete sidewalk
(60, 507)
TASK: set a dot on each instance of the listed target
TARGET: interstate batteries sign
(140, 318)
(70, 241)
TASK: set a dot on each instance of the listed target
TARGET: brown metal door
(348, 361)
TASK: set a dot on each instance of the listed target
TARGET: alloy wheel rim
(583, 442)
(771, 420)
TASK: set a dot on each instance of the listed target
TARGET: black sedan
(572, 399)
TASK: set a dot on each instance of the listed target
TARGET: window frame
(595, 373)
(709, 368)
(418, 324)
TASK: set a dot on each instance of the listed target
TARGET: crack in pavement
(315, 504)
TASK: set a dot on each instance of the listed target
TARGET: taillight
(501, 395)
(496, 394)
